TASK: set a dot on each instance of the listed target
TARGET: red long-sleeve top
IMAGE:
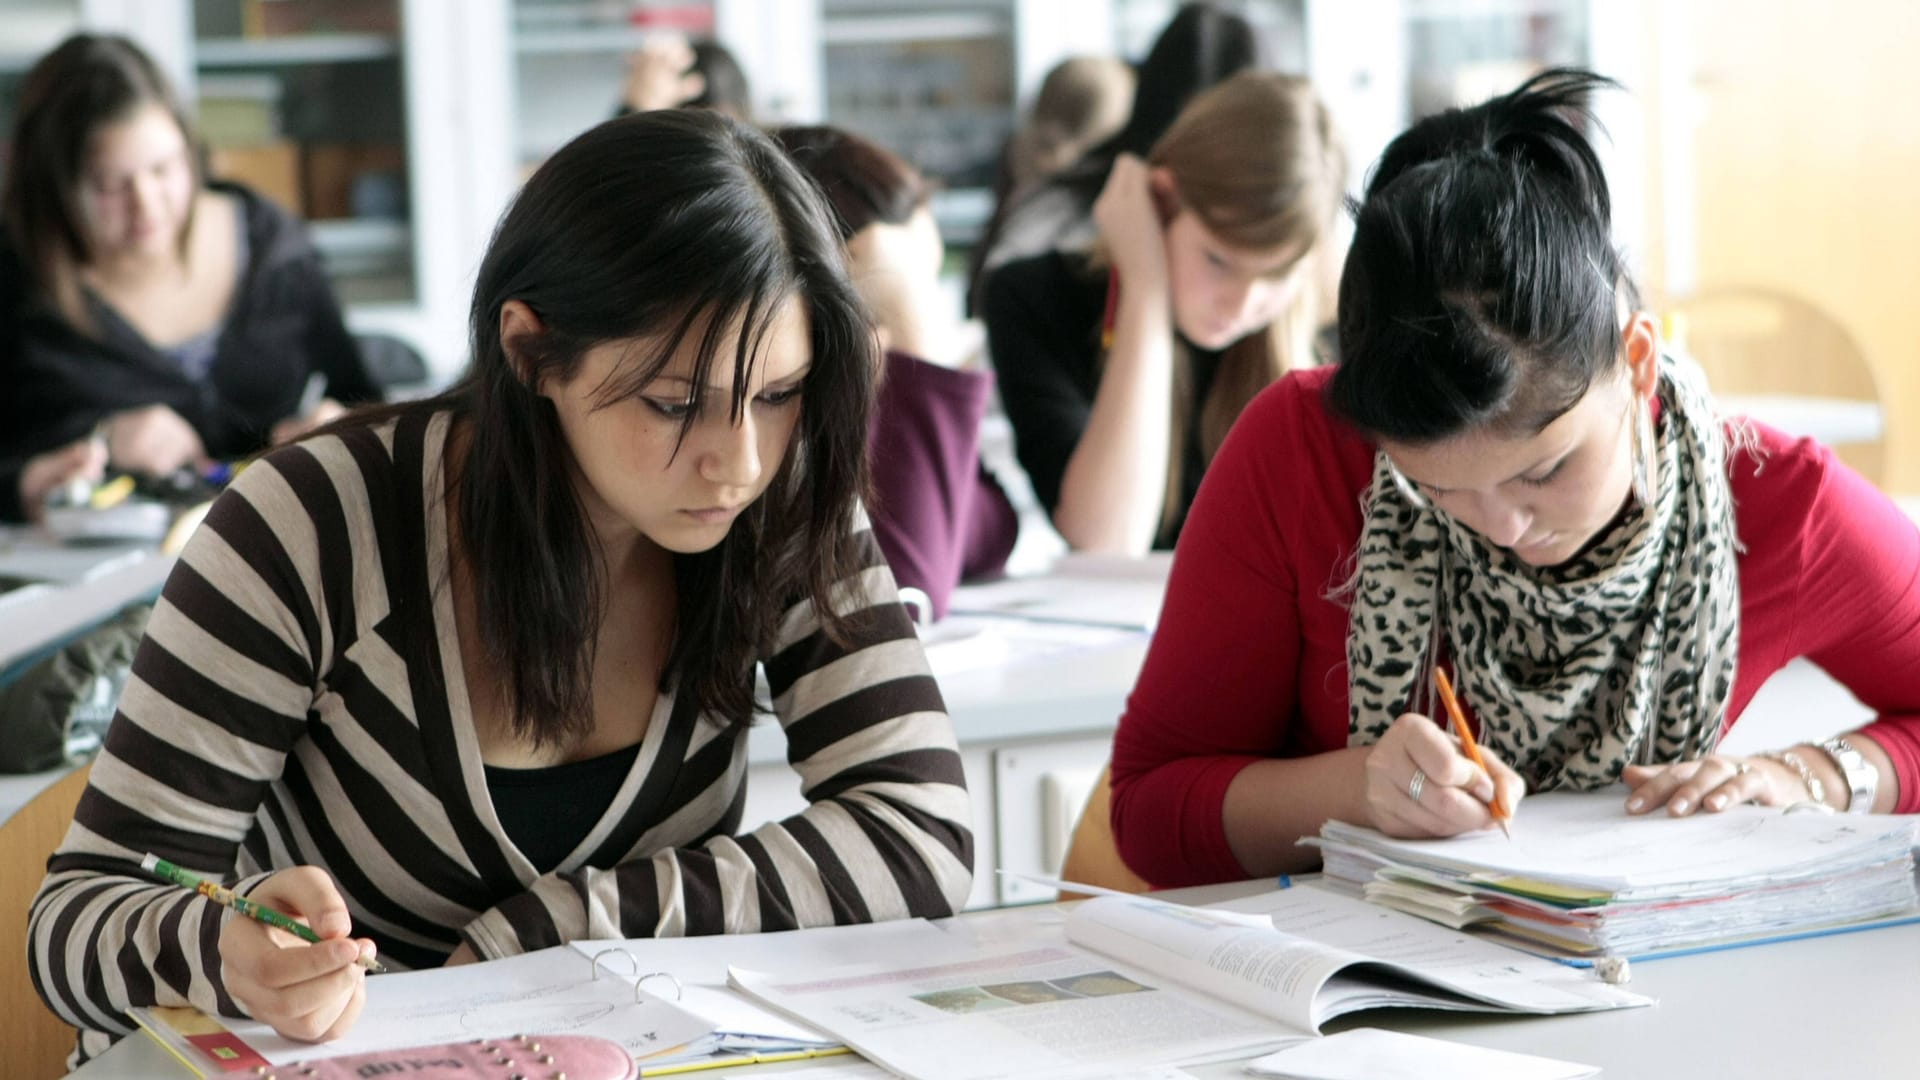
(1249, 658)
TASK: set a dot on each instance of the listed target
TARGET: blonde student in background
(179, 316)
(1505, 478)
(472, 676)
(1121, 371)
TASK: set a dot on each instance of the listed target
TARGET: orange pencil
(1445, 685)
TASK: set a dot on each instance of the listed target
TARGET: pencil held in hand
(1497, 805)
(225, 897)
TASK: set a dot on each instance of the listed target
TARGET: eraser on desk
(1614, 970)
(578, 1057)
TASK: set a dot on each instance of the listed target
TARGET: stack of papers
(1583, 879)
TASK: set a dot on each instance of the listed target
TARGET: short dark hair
(656, 225)
(1481, 286)
(864, 182)
(87, 82)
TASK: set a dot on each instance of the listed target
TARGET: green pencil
(220, 894)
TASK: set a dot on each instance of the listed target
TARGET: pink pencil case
(523, 1057)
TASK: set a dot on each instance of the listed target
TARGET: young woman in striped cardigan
(471, 676)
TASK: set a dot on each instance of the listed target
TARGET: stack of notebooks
(1581, 879)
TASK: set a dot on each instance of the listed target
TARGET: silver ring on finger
(1417, 785)
(1740, 770)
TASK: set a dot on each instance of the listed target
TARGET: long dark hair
(1201, 46)
(87, 82)
(1482, 281)
(655, 225)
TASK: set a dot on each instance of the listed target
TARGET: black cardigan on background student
(1043, 317)
(284, 324)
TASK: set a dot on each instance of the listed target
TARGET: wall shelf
(620, 39)
(301, 49)
(894, 29)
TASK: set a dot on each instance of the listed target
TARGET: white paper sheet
(961, 643)
(700, 965)
(549, 992)
(1111, 601)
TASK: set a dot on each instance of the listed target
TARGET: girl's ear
(1641, 344)
(518, 323)
(1165, 191)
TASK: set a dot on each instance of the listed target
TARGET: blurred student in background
(1082, 102)
(670, 72)
(1199, 47)
(1122, 370)
(938, 515)
(182, 319)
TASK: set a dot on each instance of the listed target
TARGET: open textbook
(1582, 878)
(1133, 981)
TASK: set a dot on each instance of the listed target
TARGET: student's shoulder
(1288, 453)
(1777, 479)
(1293, 417)
(1063, 285)
(274, 234)
(1788, 490)
(355, 467)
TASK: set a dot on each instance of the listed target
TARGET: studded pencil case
(523, 1057)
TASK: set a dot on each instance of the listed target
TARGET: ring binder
(633, 963)
(633, 970)
(667, 975)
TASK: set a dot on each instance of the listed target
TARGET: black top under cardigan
(282, 324)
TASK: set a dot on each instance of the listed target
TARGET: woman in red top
(1505, 478)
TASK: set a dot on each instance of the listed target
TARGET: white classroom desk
(1840, 1006)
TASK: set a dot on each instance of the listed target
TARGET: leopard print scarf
(1627, 653)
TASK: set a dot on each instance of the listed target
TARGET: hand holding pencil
(307, 982)
(1424, 781)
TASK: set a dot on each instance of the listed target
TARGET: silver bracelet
(1816, 790)
(1863, 780)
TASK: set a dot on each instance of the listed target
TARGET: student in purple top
(940, 518)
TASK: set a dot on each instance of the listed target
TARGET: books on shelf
(1583, 879)
(1133, 981)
